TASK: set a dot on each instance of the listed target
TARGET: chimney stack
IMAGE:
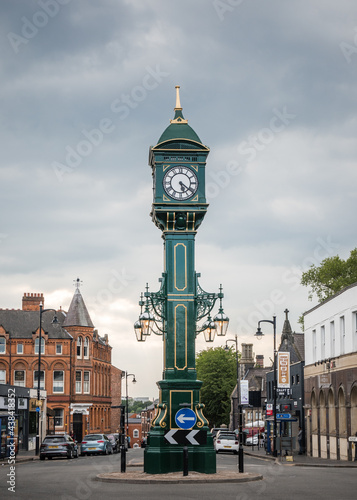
(32, 301)
(260, 360)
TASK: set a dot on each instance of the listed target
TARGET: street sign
(194, 437)
(352, 439)
(283, 416)
(185, 418)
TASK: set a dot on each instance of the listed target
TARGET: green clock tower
(178, 163)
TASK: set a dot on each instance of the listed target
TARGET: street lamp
(54, 322)
(259, 335)
(126, 375)
(240, 413)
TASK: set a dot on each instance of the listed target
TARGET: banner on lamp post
(283, 370)
(244, 392)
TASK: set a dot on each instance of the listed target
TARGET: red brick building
(76, 369)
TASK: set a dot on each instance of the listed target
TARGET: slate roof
(21, 324)
(77, 313)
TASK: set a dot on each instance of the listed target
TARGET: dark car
(58, 445)
(119, 437)
(114, 441)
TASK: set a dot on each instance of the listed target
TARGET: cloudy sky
(88, 86)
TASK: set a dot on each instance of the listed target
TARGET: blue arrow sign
(185, 418)
(283, 416)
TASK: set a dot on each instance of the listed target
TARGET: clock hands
(184, 187)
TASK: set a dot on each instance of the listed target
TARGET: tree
(217, 369)
(331, 276)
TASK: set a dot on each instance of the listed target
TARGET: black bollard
(122, 458)
(185, 461)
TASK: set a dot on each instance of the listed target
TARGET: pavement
(297, 460)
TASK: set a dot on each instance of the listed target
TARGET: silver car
(96, 443)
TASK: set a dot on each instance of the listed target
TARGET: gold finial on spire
(178, 104)
(178, 110)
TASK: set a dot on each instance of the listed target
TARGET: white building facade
(331, 376)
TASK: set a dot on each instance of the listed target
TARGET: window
(292, 379)
(58, 417)
(58, 348)
(342, 334)
(86, 382)
(37, 341)
(79, 347)
(2, 345)
(19, 378)
(2, 376)
(58, 378)
(323, 342)
(314, 346)
(42, 379)
(135, 433)
(78, 382)
(297, 379)
(332, 337)
(20, 348)
(86, 348)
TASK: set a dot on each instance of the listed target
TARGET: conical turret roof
(77, 313)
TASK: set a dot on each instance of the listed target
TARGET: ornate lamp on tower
(178, 163)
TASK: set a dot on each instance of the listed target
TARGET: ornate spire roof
(179, 128)
(77, 313)
(288, 341)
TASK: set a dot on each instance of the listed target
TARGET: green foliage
(217, 369)
(136, 406)
(331, 276)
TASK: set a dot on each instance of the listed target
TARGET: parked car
(114, 441)
(58, 445)
(225, 432)
(118, 437)
(96, 443)
(226, 442)
(215, 430)
(252, 440)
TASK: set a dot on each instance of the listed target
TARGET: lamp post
(259, 335)
(240, 414)
(126, 375)
(54, 322)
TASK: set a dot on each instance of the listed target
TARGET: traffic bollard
(185, 461)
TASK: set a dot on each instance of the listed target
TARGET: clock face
(180, 183)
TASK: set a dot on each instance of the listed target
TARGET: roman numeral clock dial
(180, 183)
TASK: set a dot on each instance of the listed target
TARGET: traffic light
(286, 407)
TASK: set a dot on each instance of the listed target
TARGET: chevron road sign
(176, 436)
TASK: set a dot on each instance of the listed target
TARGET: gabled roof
(22, 324)
(77, 313)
